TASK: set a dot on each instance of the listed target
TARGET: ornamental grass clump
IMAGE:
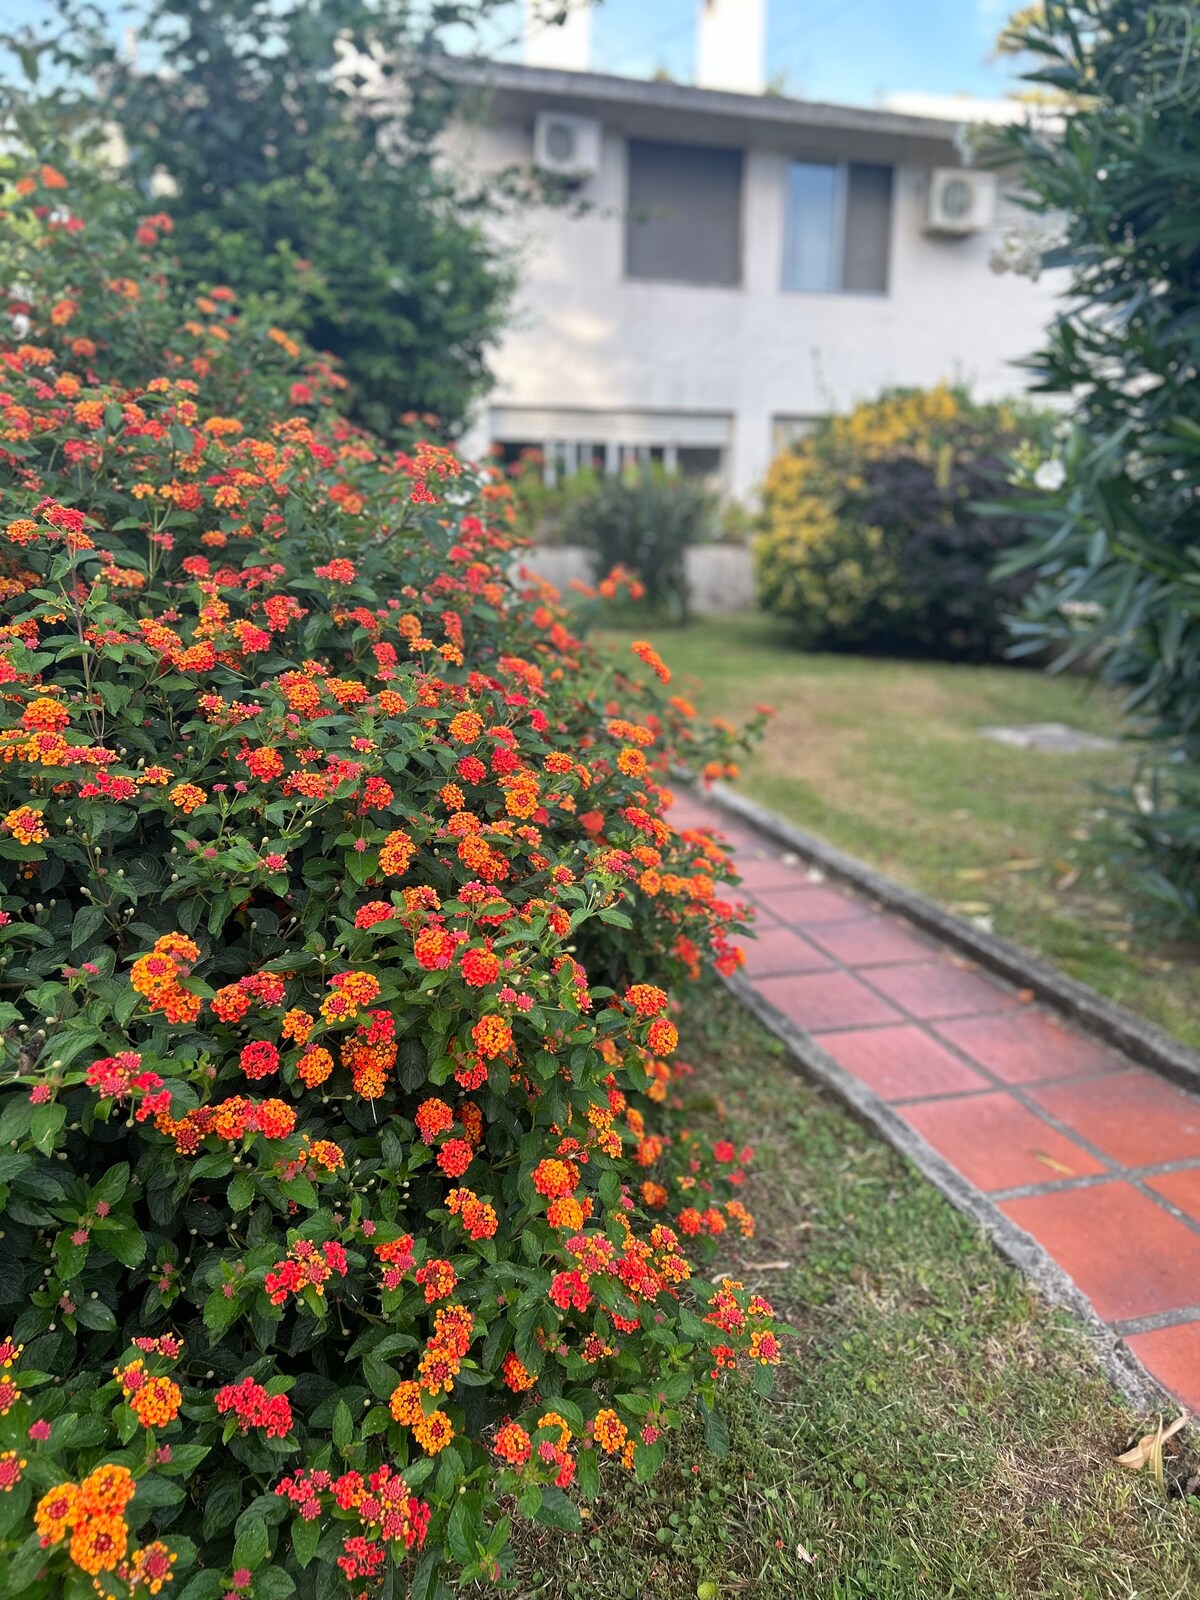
(347, 1209)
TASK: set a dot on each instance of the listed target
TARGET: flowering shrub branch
(346, 1205)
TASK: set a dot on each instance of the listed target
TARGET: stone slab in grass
(1056, 736)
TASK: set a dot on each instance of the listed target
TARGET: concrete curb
(1142, 1041)
(1122, 1368)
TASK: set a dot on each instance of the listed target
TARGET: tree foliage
(296, 148)
(1118, 546)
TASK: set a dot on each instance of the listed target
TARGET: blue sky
(840, 50)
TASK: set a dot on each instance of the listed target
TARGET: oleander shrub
(1115, 513)
(347, 1206)
(873, 534)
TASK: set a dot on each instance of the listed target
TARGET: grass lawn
(884, 759)
(935, 1432)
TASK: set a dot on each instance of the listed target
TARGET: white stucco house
(738, 263)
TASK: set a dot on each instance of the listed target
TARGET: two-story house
(739, 262)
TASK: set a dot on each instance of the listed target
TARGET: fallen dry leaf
(805, 1555)
(1148, 1451)
(1055, 1166)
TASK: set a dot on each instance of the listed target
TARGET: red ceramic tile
(766, 872)
(1027, 1047)
(778, 950)
(683, 816)
(872, 941)
(1182, 1189)
(938, 989)
(1172, 1355)
(826, 1000)
(1129, 1256)
(1132, 1116)
(997, 1144)
(902, 1063)
(809, 906)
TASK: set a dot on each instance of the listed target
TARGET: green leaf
(376, 1421)
(251, 1546)
(302, 1192)
(206, 1585)
(16, 1118)
(24, 1565)
(45, 1124)
(222, 1504)
(220, 1312)
(111, 1186)
(305, 1538)
(716, 1430)
(125, 1240)
(557, 1510)
(343, 1426)
(95, 1314)
(240, 1193)
(87, 924)
(381, 1378)
(273, 1583)
(464, 1529)
(588, 1474)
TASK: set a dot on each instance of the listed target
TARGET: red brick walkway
(1096, 1158)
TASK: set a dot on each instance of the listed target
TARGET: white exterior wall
(585, 336)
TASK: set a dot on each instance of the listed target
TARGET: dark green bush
(644, 520)
(873, 538)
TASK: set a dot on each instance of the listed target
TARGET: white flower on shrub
(1051, 475)
(1022, 248)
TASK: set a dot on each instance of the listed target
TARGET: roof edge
(603, 87)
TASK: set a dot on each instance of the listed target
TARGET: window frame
(841, 205)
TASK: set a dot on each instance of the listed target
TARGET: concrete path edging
(1037, 1108)
(1144, 1394)
(1142, 1041)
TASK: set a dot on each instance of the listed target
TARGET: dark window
(868, 229)
(685, 213)
(700, 461)
(838, 227)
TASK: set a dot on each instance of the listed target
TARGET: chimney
(731, 46)
(564, 45)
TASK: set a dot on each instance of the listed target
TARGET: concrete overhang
(652, 109)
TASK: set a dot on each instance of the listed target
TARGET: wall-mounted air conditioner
(960, 201)
(567, 146)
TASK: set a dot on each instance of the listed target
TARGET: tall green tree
(296, 146)
(1118, 519)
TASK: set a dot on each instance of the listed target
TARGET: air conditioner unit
(960, 201)
(567, 146)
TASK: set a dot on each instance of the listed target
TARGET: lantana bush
(349, 1205)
